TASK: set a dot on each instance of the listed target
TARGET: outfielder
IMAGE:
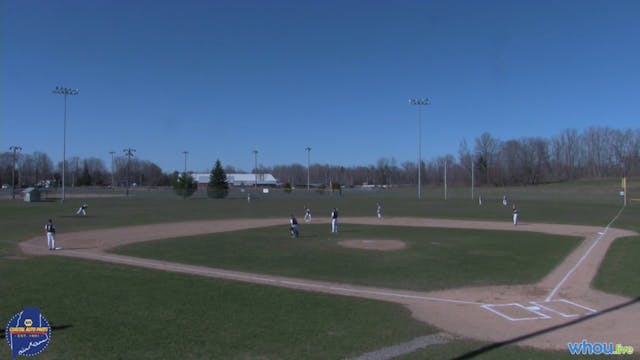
(515, 215)
(51, 235)
(334, 221)
(379, 210)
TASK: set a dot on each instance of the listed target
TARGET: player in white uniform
(515, 215)
(51, 235)
(307, 214)
(334, 221)
(379, 210)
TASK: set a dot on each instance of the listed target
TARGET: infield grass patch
(435, 258)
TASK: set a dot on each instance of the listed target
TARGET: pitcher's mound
(381, 245)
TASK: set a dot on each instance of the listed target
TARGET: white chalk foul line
(575, 267)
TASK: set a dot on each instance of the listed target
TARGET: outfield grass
(434, 259)
(578, 204)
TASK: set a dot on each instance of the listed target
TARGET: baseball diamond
(449, 310)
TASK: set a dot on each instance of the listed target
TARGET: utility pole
(420, 102)
(112, 169)
(445, 179)
(128, 152)
(64, 91)
(184, 191)
(255, 166)
(308, 149)
(185, 160)
(15, 149)
(473, 179)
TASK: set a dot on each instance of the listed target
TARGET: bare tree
(486, 149)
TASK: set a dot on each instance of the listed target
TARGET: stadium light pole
(129, 153)
(308, 149)
(15, 149)
(60, 90)
(420, 102)
(255, 165)
(112, 162)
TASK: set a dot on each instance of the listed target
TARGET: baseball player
(334, 221)
(51, 235)
(307, 214)
(82, 210)
(379, 210)
(515, 215)
(294, 227)
(505, 202)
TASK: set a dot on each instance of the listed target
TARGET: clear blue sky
(222, 78)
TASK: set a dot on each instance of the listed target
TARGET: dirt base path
(496, 313)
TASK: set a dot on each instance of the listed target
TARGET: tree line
(596, 152)
(38, 169)
(593, 153)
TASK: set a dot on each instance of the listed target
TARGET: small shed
(31, 194)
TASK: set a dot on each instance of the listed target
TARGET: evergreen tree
(218, 187)
(184, 185)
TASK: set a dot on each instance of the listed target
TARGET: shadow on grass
(494, 346)
(53, 328)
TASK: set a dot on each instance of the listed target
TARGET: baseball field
(157, 276)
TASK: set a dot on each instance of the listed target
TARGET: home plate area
(539, 310)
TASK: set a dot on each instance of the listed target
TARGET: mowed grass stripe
(107, 311)
(435, 258)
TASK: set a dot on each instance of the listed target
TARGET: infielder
(379, 210)
(82, 210)
(515, 215)
(51, 235)
(334, 221)
(294, 227)
(307, 214)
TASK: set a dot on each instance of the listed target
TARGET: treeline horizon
(596, 152)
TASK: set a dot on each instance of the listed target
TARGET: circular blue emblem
(28, 333)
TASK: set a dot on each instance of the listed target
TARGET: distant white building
(238, 179)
